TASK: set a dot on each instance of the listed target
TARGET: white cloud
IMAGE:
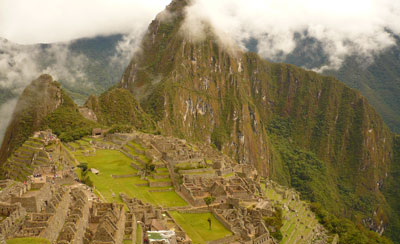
(6, 111)
(49, 21)
(20, 64)
(343, 26)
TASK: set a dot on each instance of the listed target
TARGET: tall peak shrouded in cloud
(305, 130)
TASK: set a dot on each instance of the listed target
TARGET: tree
(208, 200)
(83, 166)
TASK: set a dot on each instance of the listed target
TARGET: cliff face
(275, 116)
(38, 100)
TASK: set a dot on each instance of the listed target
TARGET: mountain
(83, 66)
(37, 101)
(44, 105)
(299, 128)
(307, 131)
(377, 79)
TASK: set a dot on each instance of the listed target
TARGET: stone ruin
(106, 224)
(246, 223)
(154, 219)
(41, 150)
(195, 189)
(77, 219)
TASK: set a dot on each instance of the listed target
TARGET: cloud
(6, 109)
(49, 21)
(20, 64)
(343, 27)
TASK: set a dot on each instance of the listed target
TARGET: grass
(28, 240)
(139, 233)
(112, 162)
(196, 227)
(229, 175)
(138, 146)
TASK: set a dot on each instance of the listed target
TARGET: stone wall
(56, 222)
(15, 215)
(222, 220)
(36, 200)
(225, 240)
(123, 176)
(76, 222)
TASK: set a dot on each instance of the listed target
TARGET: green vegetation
(139, 234)
(118, 108)
(276, 222)
(112, 162)
(306, 173)
(314, 180)
(28, 241)
(197, 228)
(31, 109)
(348, 232)
(209, 200)
(85, 179)
(391, 191)
(67, 123)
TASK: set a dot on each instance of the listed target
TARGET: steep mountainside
(44, 105)
(300, 128)
(38, 100)
(378, 79)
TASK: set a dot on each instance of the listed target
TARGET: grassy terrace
(28, 241)
(196, 226)
(139, 233)
(112, 162)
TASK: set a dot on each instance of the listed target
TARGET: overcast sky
(47, 21)
(343, 26)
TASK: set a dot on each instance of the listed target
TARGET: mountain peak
(39, 98)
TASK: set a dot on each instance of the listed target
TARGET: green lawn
(139, 233)
(196, 226)
(28, 241)
(112, 162)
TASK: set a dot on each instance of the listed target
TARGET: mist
(50, 21)
(6, 109)
(343, 27)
